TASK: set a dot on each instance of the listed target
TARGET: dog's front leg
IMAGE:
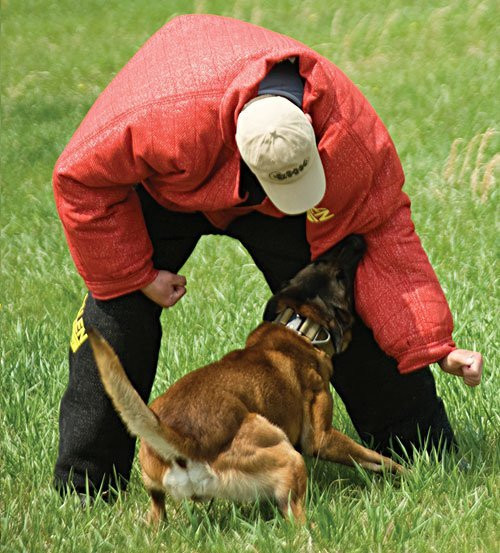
(332, 445)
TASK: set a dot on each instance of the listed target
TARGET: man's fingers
(166, 289)
(473, 369)
(469, 365)
(472, 382)
(461, 357)
(177, 280)
(465, 363)
(176, 294)
(170, 298)
(171, 295)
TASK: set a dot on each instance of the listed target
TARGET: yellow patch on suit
(319, 214)
(78, 333)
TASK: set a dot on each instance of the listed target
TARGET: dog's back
(212, 434)
(209, 404)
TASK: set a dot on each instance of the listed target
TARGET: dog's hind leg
(290, 490)
(153, 470)
(261, 462)
(157, 512)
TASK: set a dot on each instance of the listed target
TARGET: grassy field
(430, 69)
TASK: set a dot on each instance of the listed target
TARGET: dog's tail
(137, 416)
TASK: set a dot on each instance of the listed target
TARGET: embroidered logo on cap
(281, 176)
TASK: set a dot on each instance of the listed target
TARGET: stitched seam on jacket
(132, 276)
(118, 118)
(413, 351)
(333, 104)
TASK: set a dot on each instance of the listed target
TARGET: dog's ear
(348, 250)
(346, 254)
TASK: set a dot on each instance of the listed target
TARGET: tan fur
(139, 419)
(229, 429)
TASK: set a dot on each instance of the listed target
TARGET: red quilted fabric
(168, 120)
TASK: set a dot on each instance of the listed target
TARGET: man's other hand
(166, 289)
(464, 363)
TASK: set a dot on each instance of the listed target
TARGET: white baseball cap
(277, 142)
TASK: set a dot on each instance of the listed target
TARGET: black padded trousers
(387, 408)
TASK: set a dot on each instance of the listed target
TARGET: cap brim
(303, 194)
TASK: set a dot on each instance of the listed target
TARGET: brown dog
(229, 429)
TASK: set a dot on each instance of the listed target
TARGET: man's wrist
(441, 362)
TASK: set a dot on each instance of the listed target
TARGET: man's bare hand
(167, 289)
(464, 363)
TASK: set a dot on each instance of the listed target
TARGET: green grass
(431, 71)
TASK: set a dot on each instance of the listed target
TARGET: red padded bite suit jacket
(168, 120)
